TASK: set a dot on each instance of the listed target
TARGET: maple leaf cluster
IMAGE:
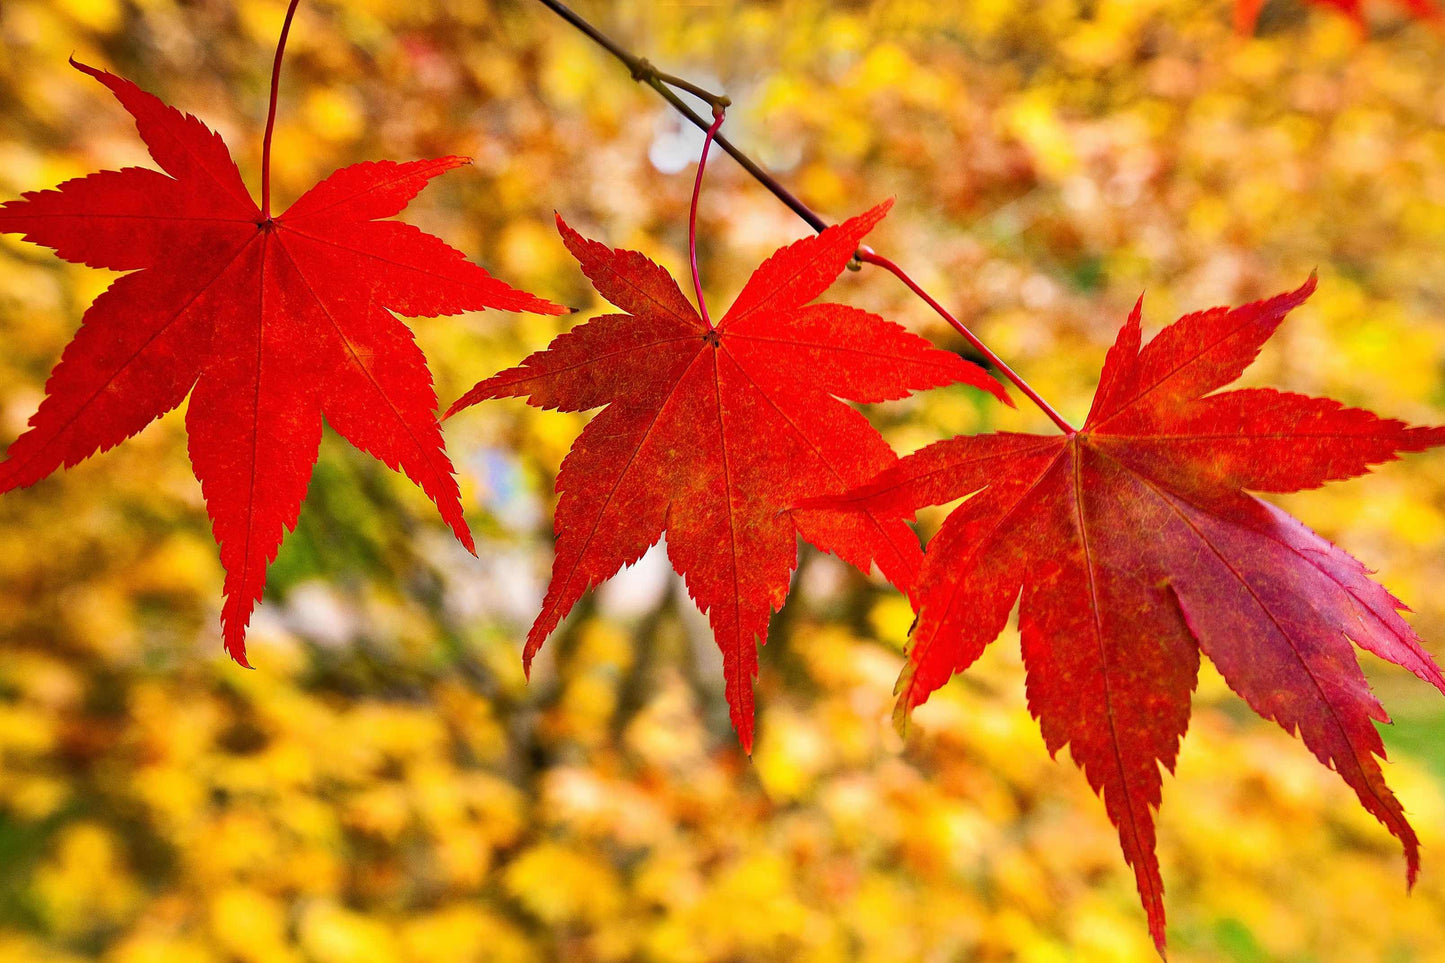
(1130, 545)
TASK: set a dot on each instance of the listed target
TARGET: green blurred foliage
(385, 786)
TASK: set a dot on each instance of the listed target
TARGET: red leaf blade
(267, 324)
(721, 437)
(1136, 548)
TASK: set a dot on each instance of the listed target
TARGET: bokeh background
(385, 786)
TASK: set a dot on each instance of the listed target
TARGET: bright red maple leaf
(1135, 546)
(1246, 12)
(713, 433)
(274, 322)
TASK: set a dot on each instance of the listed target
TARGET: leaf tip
(1282, 304)
(574, 242)
(1421, 438)
(902, 718)
(866, 221)
(535, 638)
(1154, 909)
(462, 403)
(995, 387)
(903, 690)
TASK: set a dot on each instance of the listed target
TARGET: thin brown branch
(643, 71)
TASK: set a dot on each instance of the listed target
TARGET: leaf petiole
(271, 113)
(868, 256)
(718, 112)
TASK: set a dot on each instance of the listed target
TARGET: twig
(644, 72)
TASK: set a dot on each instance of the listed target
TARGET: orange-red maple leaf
(268, 323)
(1135, 546)
(711, 434)
(1246, 12)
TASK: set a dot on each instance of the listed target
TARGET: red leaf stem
(717, 119)
(867, 255)
(271, 113)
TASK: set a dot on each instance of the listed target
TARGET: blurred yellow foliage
(386, 787)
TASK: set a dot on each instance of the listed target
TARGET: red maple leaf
(274, 322)
(1135, 546)
(711, 434)
(1246, 12)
